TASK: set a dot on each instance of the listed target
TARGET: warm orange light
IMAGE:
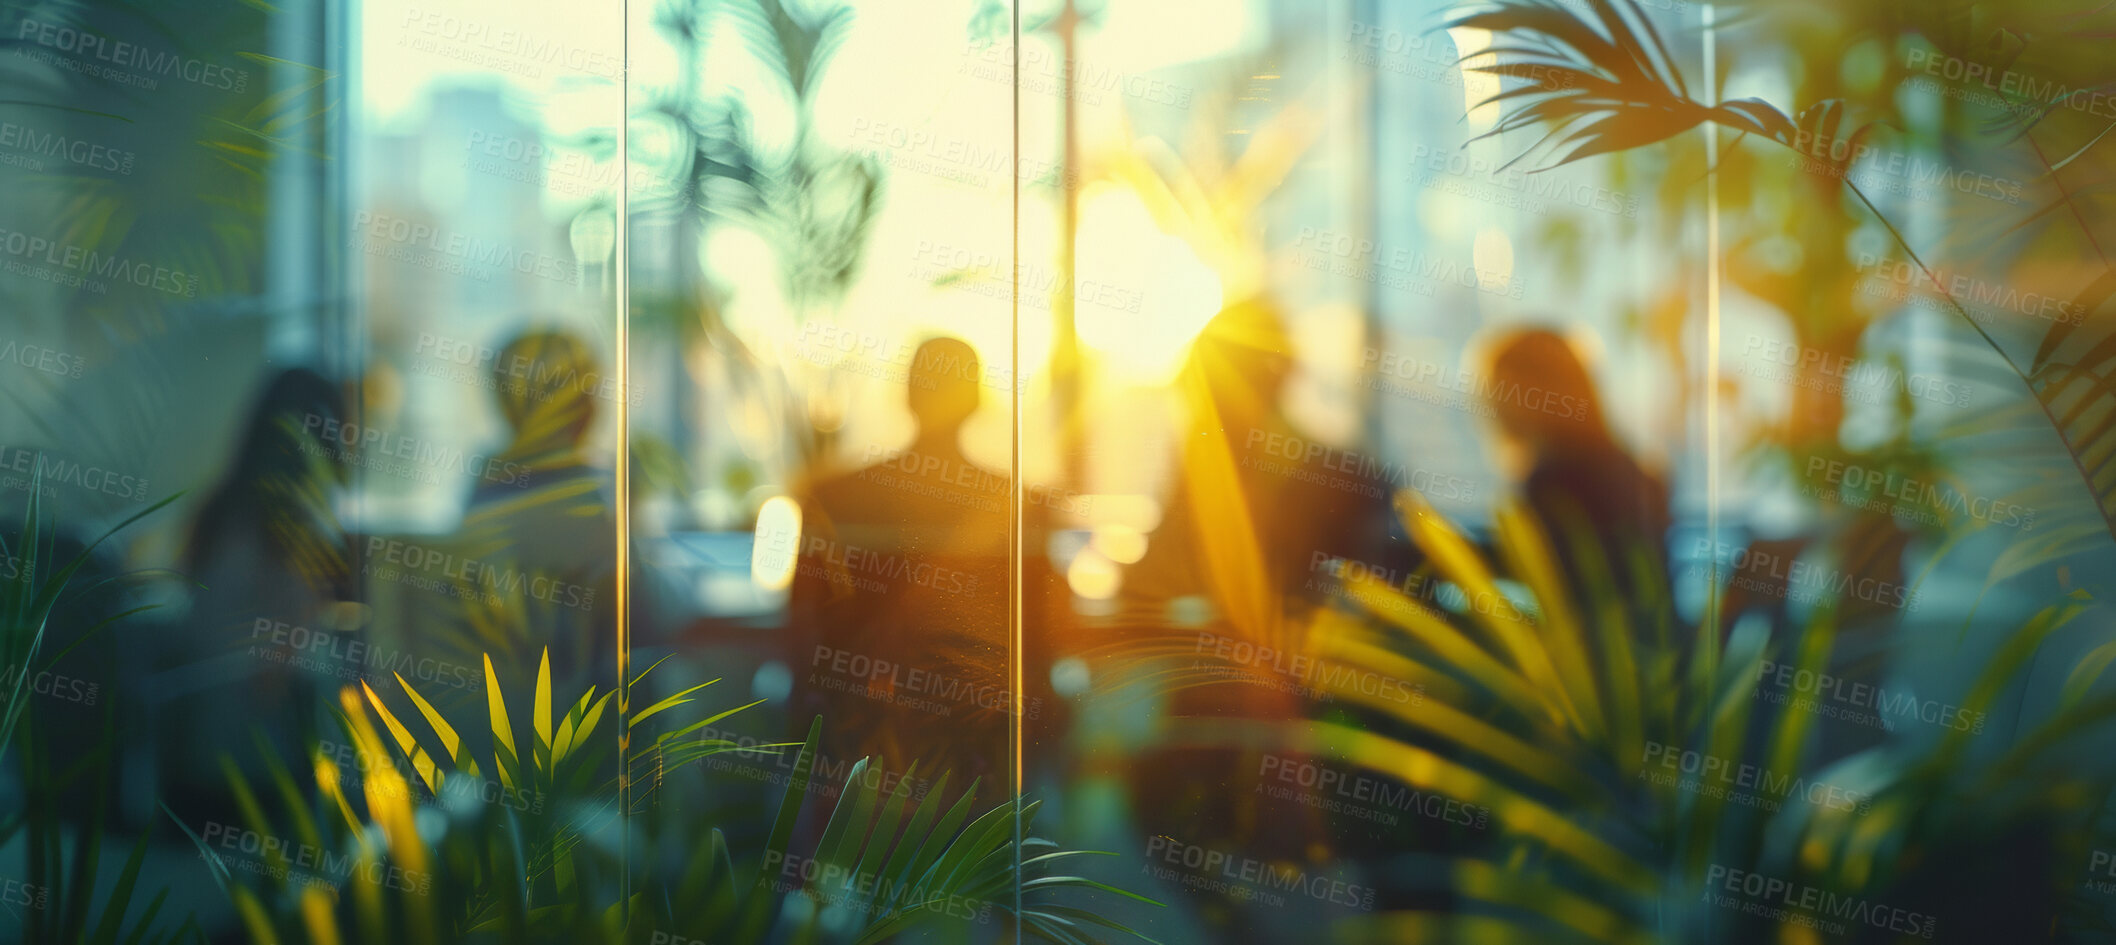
(1093, 576)
(1122, 544)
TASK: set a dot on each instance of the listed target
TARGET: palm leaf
(1601, 88)
(1596, 850)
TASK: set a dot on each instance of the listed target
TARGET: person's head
(1541, 394)
(292, 447)
(943, 384)
(293, 423)
(546, 380)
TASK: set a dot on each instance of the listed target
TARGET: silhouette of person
(1591, 498)
(271, 565)
(273, 511)
(540, 523)
(899, 600)
(1251, 513)
(1256, 499)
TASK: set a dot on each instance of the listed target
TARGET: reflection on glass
(768, 471)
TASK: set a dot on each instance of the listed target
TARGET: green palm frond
(1563, 740)
(796, 47)
(116, 915)
(197, 205)
(2077, 393)
(1605, 83)
(887, 863)
(518, 858)
(65, 867)
(31, 591)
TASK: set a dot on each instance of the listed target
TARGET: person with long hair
(266, 555)
(1592, 499)
(274, 507)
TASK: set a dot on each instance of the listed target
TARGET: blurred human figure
(1586, 491)
(1250, 513)
(274, 510)
(899, 602)
(540, 524)
(1236, 567)
(266, 554)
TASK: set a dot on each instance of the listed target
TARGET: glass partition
(820, 231)
(771, 471)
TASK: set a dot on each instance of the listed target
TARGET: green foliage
(1559, 722)
(886, 865)
(63, 876)
(29, 594)
(1606, 84)
(814, 206)
(198, 203)
(546, 871)
(63, 902)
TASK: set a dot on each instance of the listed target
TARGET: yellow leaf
(541, 717)
(502, 730)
